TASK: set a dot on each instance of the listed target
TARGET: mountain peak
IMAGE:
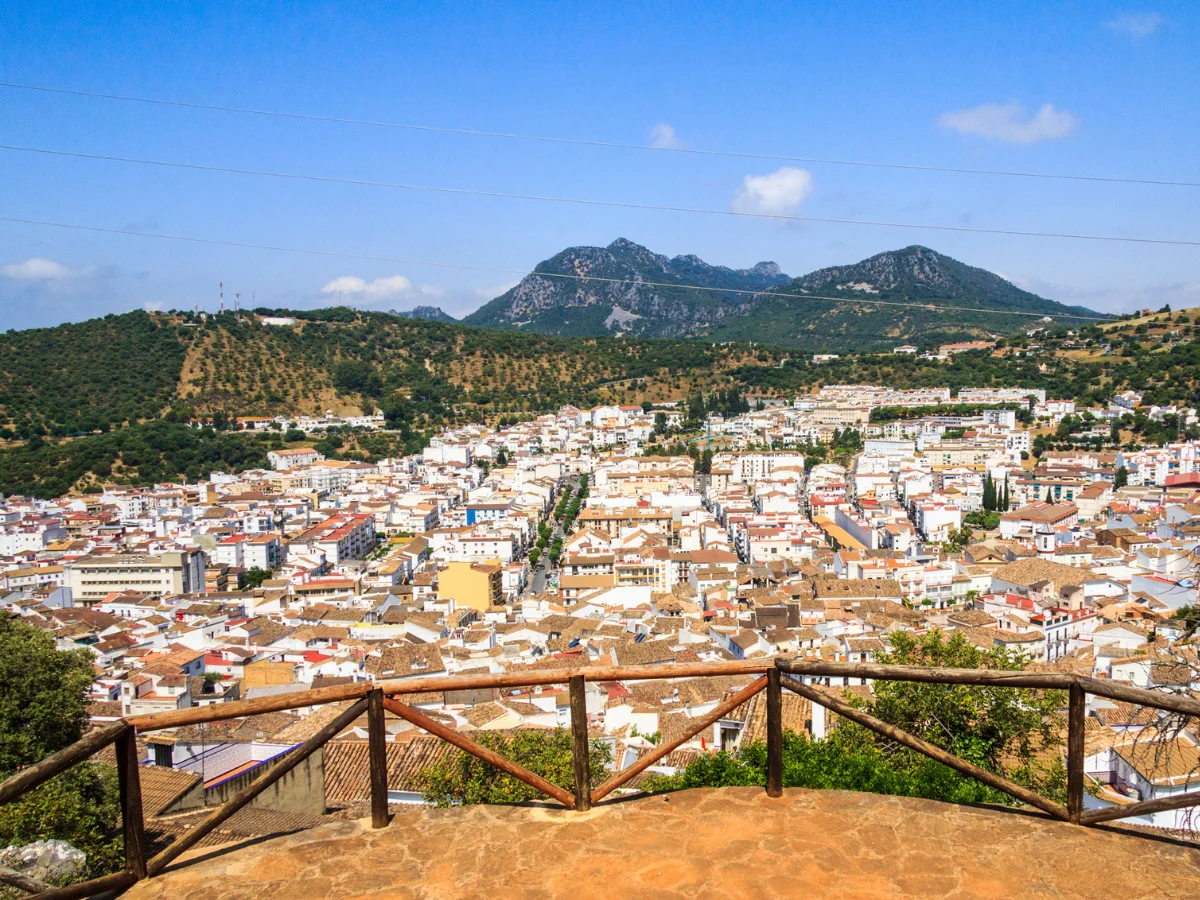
(625, 288)
(624, 244)
(432, 313)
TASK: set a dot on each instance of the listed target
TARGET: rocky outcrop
(49, 862)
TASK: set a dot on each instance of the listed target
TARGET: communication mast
(221, 291)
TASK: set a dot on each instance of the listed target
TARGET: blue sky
(1083, 88)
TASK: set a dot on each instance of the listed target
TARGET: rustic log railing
(374, 698)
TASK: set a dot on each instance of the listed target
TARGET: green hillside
(108, 399)
(921, 283)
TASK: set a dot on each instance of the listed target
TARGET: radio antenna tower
(221, 290)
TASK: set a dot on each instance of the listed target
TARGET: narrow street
(537, 578)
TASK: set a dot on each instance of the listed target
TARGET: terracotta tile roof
(478, 716)
(397, 661)
(248, 823)
(347, 766)
(796, 716)
(161, 787)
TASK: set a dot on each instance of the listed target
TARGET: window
(162, 755)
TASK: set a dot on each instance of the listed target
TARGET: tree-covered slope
(902, 297)
(89, 375)
(432, 313)
(425, 375)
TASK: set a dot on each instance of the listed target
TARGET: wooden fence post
(377, 748)
(774, 734)
(580, 752)
(130, 782)
(1076, 726)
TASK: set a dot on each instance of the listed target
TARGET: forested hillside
(914, 295)
(107, 399)
(83, 377)
(144, 454)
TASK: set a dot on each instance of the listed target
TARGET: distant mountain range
(625, 289)
(432, 313)
(899, 296)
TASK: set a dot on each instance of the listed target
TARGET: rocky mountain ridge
(625, 288)
(897, 295)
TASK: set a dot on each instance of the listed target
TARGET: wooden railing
(1077, 686)
(376, 698)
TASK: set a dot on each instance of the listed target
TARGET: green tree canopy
(1005, 730)
(463, 778)
(255, 576)
(42, 695)
(42, 710)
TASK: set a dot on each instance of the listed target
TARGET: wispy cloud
(663, 137)
(379, 289)
(1136, 25)
(39, 269)
(1180, 294)
(491, 293)
(432, 290)
(778, 193)
(1009, 123)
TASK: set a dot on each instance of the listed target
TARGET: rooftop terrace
(731, 842)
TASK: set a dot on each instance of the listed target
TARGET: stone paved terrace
(733, 842)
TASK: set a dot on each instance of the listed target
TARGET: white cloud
(379, 289)
(37, 268)
(663, 137)
(775, 194)
(1009, 123)
(153, 306)
(491, 293)
(1136, 25)
(432, 290)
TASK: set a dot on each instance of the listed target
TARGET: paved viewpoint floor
(733, 842)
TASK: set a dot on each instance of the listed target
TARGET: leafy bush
(42, 710)
(464, 778)
(1004, 730)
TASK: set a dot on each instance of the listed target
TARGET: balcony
(729, 842)
(695, 843)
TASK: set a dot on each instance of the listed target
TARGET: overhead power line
(620, 204)
(856, 301)
(618, 145)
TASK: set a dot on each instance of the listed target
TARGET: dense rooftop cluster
(580, 539)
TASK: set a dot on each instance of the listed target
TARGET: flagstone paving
(733, 842)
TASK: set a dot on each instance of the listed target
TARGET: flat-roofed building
(1025, 521)
(93, 578)
(343, 536)
(475, 584)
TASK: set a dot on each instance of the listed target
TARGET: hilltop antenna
(221, 292)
